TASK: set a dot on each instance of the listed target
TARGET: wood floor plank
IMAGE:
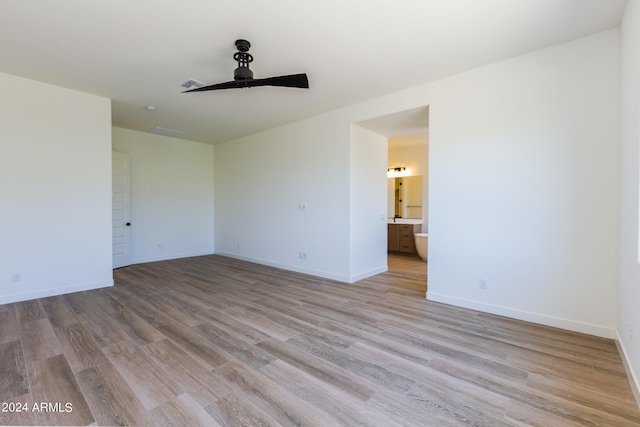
(407, 412)
(360, 367)
(188, 302)
(9, 324)
(56, 392)
(281, 405)
(123, 295)
(58, 311)
(461, 341)
(556, 405)
(430, 385)
(111, 399)
(232, 411)
(39, 340)
(202, 384)
(19, 411)
(588, 396)
(341, 313)
(320, 368)
(79, 347)
(182, 411)
(609, 382)
(102, 328)
(135, 327)
(149, 382)
(266, 326)
(106, 302)
(270, 293)
(347, 410)
(389, 346)
(150, 314)
(562, 372)
(13, 374)
(284, 315)
(234, 326)
(212, 297)
(236, 347)
(196, 346)
(140, 285)
(179, 314)
(487, 410)
(472, 358)
(544, 339)
(522, 415)
(80, 303)
(30, 310)
(543, 354)
(210, 339)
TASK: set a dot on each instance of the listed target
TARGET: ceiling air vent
(192, 84)
(166, 132)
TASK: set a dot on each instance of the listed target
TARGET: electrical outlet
(159, 246)
(302, 255)
(16, 277)
(483, 284)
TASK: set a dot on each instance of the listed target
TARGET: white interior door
(121, 213)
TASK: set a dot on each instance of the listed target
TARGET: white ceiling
(139, 52)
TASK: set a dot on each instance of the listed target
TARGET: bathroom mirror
(405, 197)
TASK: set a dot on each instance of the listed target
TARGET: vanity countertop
(413, 221)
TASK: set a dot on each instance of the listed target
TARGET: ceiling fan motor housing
(243, 58)
(242, 73)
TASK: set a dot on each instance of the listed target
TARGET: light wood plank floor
(216, 341)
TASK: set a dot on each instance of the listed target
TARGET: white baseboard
(542, 319)
(165, 257)
(43, 293)
(369, 273)
(311, 272)
(633, 379)
(297, 269)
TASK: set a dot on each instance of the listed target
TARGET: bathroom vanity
(400, 236)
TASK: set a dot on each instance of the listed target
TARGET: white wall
(55, 181)
(629, 288)
(263, 180)
(171, 195)
(524, 180)
(368, 204)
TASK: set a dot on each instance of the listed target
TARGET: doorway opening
(407, 133)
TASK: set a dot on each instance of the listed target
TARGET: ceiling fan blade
(291, 80)
(226, 85)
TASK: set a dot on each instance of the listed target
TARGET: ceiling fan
(243, 76)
